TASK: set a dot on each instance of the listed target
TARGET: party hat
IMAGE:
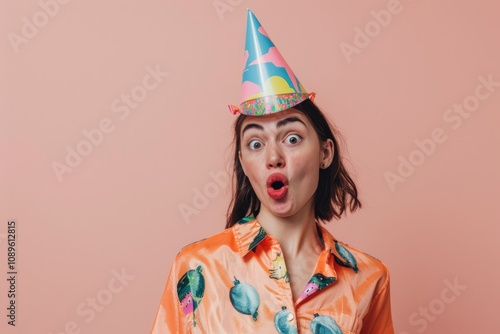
(269, 84)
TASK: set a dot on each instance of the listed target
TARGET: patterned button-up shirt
(237, 282)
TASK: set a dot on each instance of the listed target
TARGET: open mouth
(277, 185)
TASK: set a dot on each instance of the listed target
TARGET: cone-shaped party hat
(269, 84)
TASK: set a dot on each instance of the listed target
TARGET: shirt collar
(328, 241)
(341, 255)
(249, 233)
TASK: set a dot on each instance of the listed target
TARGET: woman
(275, 269)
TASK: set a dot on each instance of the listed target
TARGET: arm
(170, 318)
(378, 320)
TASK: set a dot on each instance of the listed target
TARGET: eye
(254, 144)
(293, 139)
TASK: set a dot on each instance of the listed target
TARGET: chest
(258, 304)
(265, 295)
(299, 273)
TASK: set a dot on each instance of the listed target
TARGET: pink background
(120, 206)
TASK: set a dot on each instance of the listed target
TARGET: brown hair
(336, 190)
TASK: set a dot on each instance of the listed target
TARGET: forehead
(272, 119)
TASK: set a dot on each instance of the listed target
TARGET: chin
(282, 211)
(282, 214)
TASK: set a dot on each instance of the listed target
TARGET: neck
(296, 234)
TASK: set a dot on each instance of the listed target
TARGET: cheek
(250, 167)
(308, 172)
(306, 178)
(305, 166)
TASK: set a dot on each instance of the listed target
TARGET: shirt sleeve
(378, 320)
(170, 318)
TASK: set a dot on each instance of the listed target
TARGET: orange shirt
(236, 282)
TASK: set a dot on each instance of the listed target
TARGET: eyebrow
(279, 124)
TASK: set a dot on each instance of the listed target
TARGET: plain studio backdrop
(115, 140)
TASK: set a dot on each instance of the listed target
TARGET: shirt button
(289, 317)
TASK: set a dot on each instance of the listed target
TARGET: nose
(274, 157)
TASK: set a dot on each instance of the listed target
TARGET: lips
(277, 185)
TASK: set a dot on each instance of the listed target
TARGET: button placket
(284, 286)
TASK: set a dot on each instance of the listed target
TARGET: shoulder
(365, 257)
(223, 240)
(207, 255)
(368, 266)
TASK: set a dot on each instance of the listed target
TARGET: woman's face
(281, 155)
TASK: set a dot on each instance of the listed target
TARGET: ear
(327, 153)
